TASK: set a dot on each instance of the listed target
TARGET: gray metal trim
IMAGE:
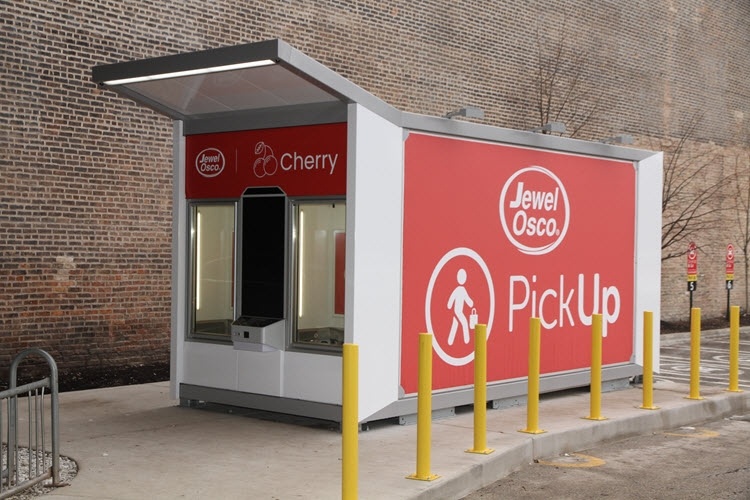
(287, 116)
(180, 245)
(406, 406)
(268, 49)
(323, 411)
(476, 131)
(327, 78)
(548, 384)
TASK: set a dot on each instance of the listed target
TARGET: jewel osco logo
(210, 162)
(534, 210)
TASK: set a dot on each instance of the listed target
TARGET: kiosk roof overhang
(265, 80)
(271, 84)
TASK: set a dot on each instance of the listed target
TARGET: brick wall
(85, 190)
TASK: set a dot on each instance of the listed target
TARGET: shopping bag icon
(473, 318)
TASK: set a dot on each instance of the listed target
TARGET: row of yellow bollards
(695, 352)
(350, 425)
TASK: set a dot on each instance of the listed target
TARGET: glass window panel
(212, 262)
(320, 256)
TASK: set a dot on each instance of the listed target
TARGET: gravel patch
(68, 470)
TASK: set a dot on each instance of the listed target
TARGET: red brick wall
(85, 189)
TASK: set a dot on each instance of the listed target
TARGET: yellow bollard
(695, 354)
(350, 422)
(480, 392)
(648, 361)
(532, 403)
(424, 410)
(734, 349)
(595, 398)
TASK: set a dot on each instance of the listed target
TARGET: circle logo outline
(221, 160)
(457, 252)
(509, 234)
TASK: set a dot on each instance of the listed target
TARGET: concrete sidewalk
(133, 442)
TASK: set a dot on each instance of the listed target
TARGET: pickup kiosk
(308, 213)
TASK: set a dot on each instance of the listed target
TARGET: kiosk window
(212, 229)
(319, 278)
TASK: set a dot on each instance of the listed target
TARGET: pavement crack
(733, 471)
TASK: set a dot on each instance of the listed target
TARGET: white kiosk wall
(374, 228)
(648, 252)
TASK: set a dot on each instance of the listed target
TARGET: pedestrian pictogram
(457, 300)
(459, 295)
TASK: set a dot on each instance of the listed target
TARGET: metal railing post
(13, 390)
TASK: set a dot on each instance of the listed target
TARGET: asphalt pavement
(710, 460)
(714, 353)
(133, 442)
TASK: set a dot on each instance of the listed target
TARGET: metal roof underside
(291, 82)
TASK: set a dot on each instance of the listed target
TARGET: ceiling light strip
(191, 72)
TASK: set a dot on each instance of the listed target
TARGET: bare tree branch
(560, 84)
(691, 189)
(742, 212)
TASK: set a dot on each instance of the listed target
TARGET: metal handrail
(9, 479)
